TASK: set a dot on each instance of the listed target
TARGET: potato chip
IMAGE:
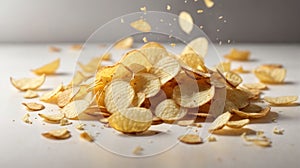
(270, 74)
(74, 108)
(168, 110)
(66, 96)
(194, 61)
(211, 138)
(104, 120)
(259, 141)
(52, 117)
(259, 86)
(224, 66)
(64, 122)
(62, 133)
(186, 22)
(233, 78)
(54, 49)
(185, 123)
(52, 95)
(146, 83)
(238, 55)
(30, 94)
(281, 100)
(197, 46)
(34, 106)
(190, 139)
(78, 78)
(209, 3)
(238, 97)
(131, 120)
(141, 25)
(47, 69)
(92, 65)
(86, 136)
(240, 69)
(25, 84)
(138, 99)
(238, 123)
(118, 95)
(278, 131)
(80, 126)
(154, 52)
(220, 121)
(136, 61)
(227, 131)
(124, 43)
(26, 119)
(260, 114)
(137, 150)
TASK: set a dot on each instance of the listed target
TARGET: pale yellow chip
(245, 114)
(146, 83)
(124, 43)
(238, 55)
(118, 95)
(270, 74)
(198, 46)
(64, 122)
(26, 118)
(211, 138)
(259, 86)
(47, 69)
(190, 139)
(154, 52)
(53, 117)
(74, 108)
(80, 126)
(186, 22)
(281, 100)
(131, 120)
(30, 94)
(62, 133)
(238, 97)
(141, 25)
(238, 123)
(51, 96)
(66, 96)
(233, 78)
(194, 61)
(220, 121)
(209, 3)
(224, 66)
(168, 110)
(86, 136)
(136, 61)
(28, 83)
(32, 106)
(278, 131)
(92, 65)
(77, 79)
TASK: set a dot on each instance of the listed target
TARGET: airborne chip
(186, 22)
(25, 84)
(141, 25)
(282, 100)
(34, 106)
(198, 46)
(48, 69)
(190, 139)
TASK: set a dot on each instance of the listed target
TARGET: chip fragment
(26, 119)
(47, 69)
(209, 3)
(259, 140)
(278, 131)
(30, 94)
(233, 78)
(186, 22)
(51, 96)
(238, 123)
(125, 43)
(245, 114)
(52, 117)
(220, 121)
(238, 55)
(32, 106)
(25, 84)
(190, 139)
(281, 100)
(141, 25)
(86, 136)
(62, 133)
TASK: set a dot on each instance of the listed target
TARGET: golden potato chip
(278, 131)
(224, 66)
(62, 133)
(51, 96)
(131, 120)
(259, 86)
(198, 46)
(86, 136)
(80, 126)
(26, 119)
(259, 141)
(220, 121)
(209, 3)
(104, 120)
(211, 138)
(281, 100)
(185, 123)
(238, 55)
(47, 69)
(52, 117)
(238, 123)
(240, 69)
(168, 110)
(124, 43)
(136, 61)
(186, 22)
(118, 95)
(34, 106)
(141, 25)
(190, 139)
(233, 78)
(238, 97)
(74, 108)
(146, 83)
(138, 99)
(194, 61)
(28, 83)
(66, 96)
(270, 74)
(227, 131)
(54, 49)
(154, 52)
(260, 114)
(29, 94)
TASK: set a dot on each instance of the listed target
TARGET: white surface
(22, 145)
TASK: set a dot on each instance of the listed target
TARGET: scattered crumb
(137, 150)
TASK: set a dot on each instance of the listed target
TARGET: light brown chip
(146, 83)
(260, 114)
(74, 108)
(259, 141)
(47, 69)
(281, 100)
(194, 61)
(186, 22)
(76, 47)
(26, 119)
(209, 3)
(168, 110)
(52, 117)
(190, 139)
(54, 49)
(238, 97)
(238, 123)
(259, 86)
(141, 25)
(240, 69)
(28, 83)
(198, 46)
(34, 106)
(211, 138)
(80, 126)
(86, 136)
(270, 74)
(220, 121)
(124, 43)
(238, 55)
(233, 78)
(30, 94)
(131, 120)
(62, 133)
(136, 61)
(137, 150)
(227, 131)
(185, 123)
(278, 131)
(66, 96)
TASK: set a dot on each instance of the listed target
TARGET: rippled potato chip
(233, 78)
(141, 25)
(190, 139)
(146, 83)
(52, 117)
(66, 96)
(25, 84)
(131, 120)
(245, 114)
(198, 46)
(238, 123)
(186, 22)
(62, 133)
(136, 61)
(270, 74)
(220, 121)
(47, 69)
(74, 108)
(238, 55)
(29, 94)
(281, 100)
(34, 106)
(124, 43)
(168, 110)
(154, 52)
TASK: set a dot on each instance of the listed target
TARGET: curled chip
(247, 114)
(131, 120)
(62, 133)
(281, 100)
(259, 86)
(29, 94)
(86, 136)
(28, 83)
(194, 61)
(52, 95)
(53, 117)
(270, 74)
(118, 95)
(124, 43)
(141, 25)
(233, 78)
(238, 123)
(168, 110)
(220, 121)
(186, 22)
(190, 139)
(238, 55)
(74, 108)
(34, 106)
(146, 83)
(66, 96)
(259, 141)
(136, 61)
(198, 46)
(47, 69)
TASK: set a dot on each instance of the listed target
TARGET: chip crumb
(209, 3)
(86, 136)
(64, 122)
(278, 131)
(54, 49)
(212, 138)
(262, 141)
(173, 45)
(200, 11)
(104, 120)
(26, 119)
(145, 40)
(137, 150)
(143, 9)
(80, 126)
(220, 17)
(199, 125)
(168, 7)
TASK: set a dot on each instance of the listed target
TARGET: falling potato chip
(233, 78)
(238, 55)
(66, 96)
(281, 100)
(52, 117)
(51, 96)
(136, 61)
(194, 61)
(190, 139)
(209, 3)
(34, 106)
(146, 83)
(86, 136)
(270, 74)
(74, 108)
(141, 25)
(62, 133)
(29, 94)
(259, 86)
(26, 119)
(131, 120)
(47, 69)
(168, 110)
(260, 114)
(238, 123)
(198, 46)
(220, 121)
(118, 95)
(186, 22)
(28, 83)
(124, 43)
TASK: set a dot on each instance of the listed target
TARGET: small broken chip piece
(186, 22)
(138, 150)
(26, 119)
(52, 117)
(86, 136)
(246, 114)
(64, 122)
(80, 126)
(220, 121)
(259, 140)
(259, 86)
(238, 55)
(32, 106)
(238, 123)
(47, 69)
(76, 47)
(281, 100)
(25, 84)
(62, 133)
(278, 131)
(141, 25)
(209, 3)
(30, 94)
(190, 139)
